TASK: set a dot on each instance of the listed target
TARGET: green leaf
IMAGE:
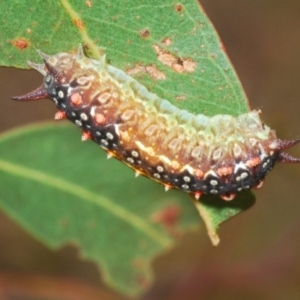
(57, 187)
(117, 27)
(70, 193)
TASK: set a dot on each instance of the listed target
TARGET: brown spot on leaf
(179, 7)
(79, 23)
(180, 97)
(167, 41)
(178, 64)
(151, 70)
(64, 222)
(20, 43)
(168, 216)
(143, 281)
(144, 33)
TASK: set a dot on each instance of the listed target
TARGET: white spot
(185, 186)
(48, 78)
(253, 141)
(63, 105)
(129, 159)
(217, 154)
(188, 168)
(78, 123)
(211, 172)
(134, 153)
(237, 150)
(72, 113)
(186, 179)
(104, 142)
(196, 152)
(214, 191)
(104, 97)
(151, 129)
(214, 182)
(156, 175)
(92, 111)
(61, 94)
(244, 175)
(110, 135)
(160, 169)
(84, 79)
(83, 116)
(174, 144)
(127, 115)
(239, 189)
(55, 101)
(98, 133)
(238, 178)
(117, 129)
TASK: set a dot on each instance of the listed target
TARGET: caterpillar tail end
(285, 157)
(39, 93)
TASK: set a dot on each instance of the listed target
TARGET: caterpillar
(197, 154)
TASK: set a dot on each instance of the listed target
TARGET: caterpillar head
(65, 81)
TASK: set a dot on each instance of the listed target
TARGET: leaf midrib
(85, 195)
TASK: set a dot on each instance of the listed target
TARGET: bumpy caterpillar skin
(194, 153)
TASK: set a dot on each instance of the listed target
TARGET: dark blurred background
(259, 250)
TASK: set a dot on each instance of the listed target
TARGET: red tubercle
(86, 136)
(100, 119)
(168, 187)
(76, 99)
(225, 171)
(228, 197)
(60, 115)
(198, 195)
(199, 173)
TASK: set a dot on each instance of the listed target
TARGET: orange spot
(175, 165)
(228, 197)
(253, 162)
(199, 173)
(179, 7)
(79, 23)
(76, 99)
(110, 154)
(167, 41)
(85, 136)
(100, 119)
(224, 171)
(168, 216)
(168, 187)
(60, 115)
(198, 195)
(20, 43)
(88, 3)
